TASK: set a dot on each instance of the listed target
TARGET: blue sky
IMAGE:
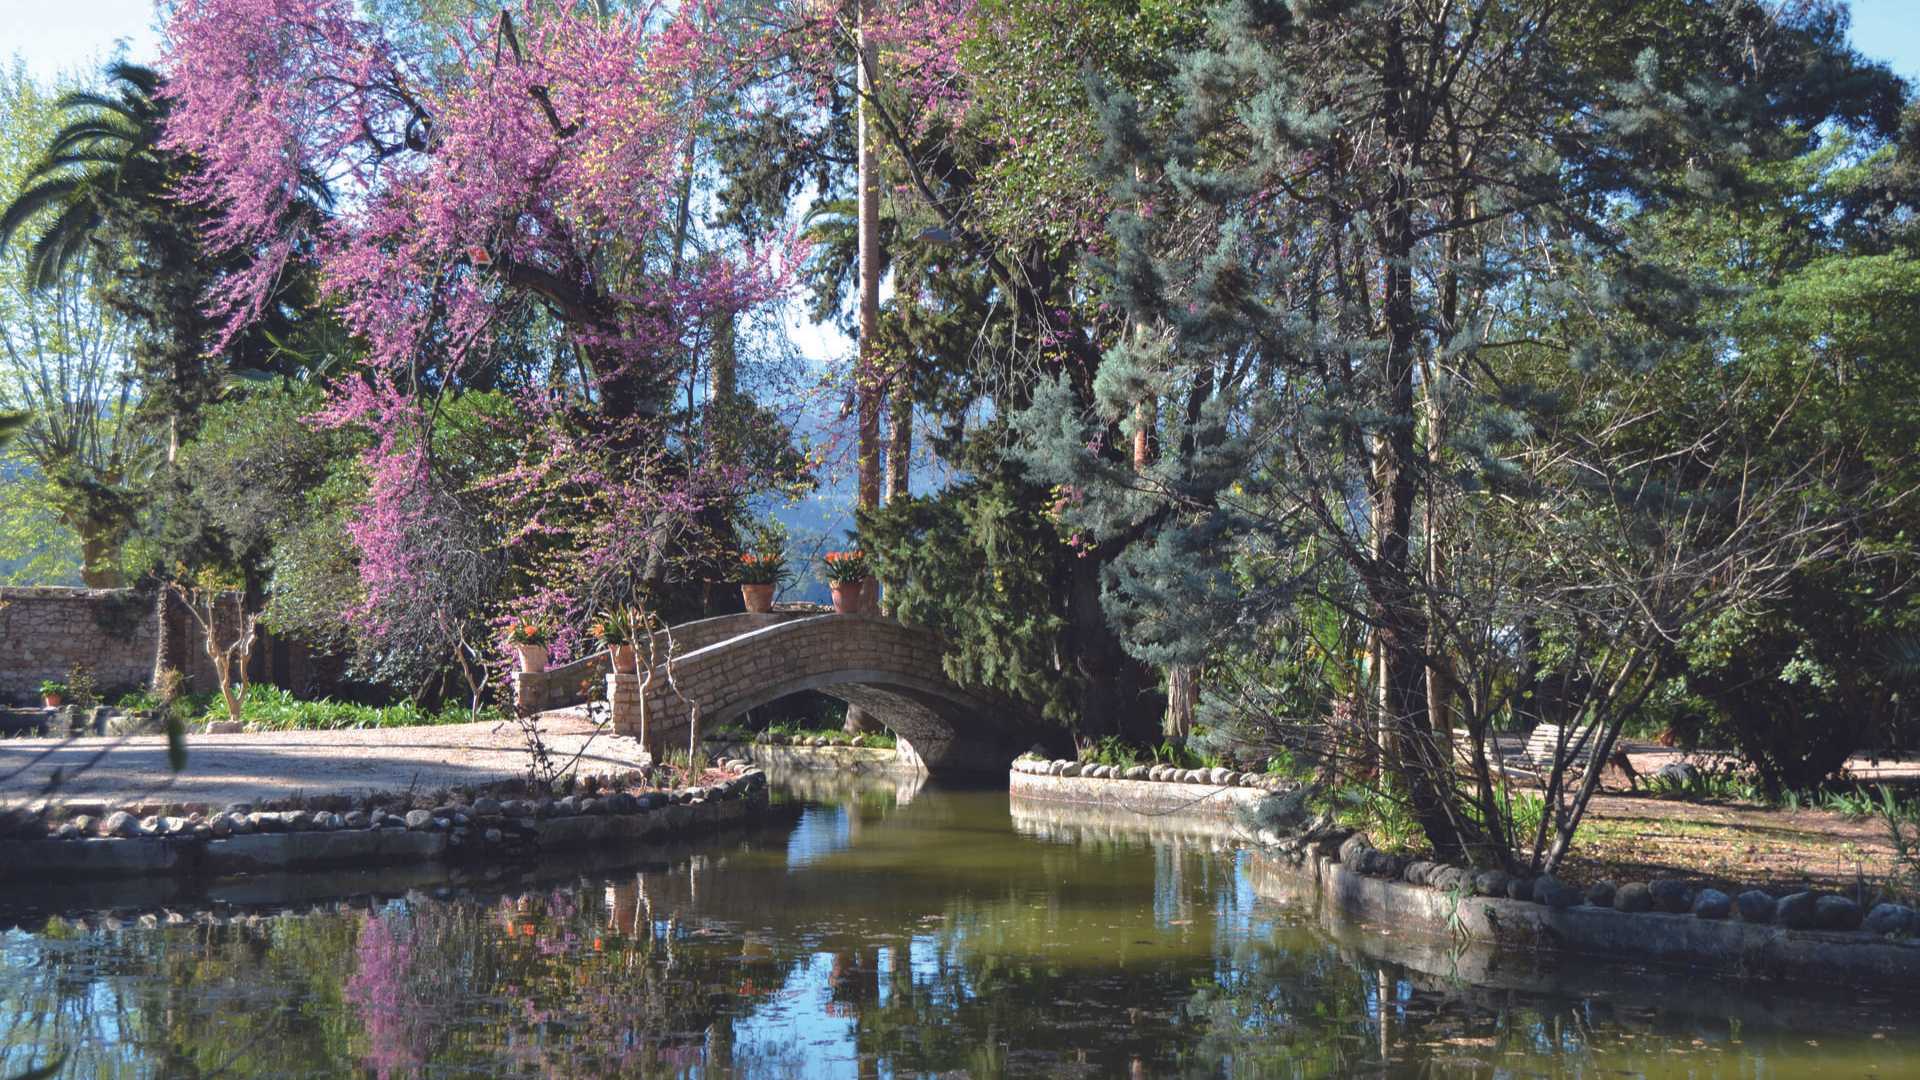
(54, 36)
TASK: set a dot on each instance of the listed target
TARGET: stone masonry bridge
(728, 665)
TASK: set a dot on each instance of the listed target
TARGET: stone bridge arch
(891, 670)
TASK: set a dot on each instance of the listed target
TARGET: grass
(269, 708)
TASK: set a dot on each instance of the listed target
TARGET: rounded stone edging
(831, 757)
(1674, 924)
(1113, 786)
(296, 840)
(1728, 945)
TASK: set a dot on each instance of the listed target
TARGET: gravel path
(252, 767)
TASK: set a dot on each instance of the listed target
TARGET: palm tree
(106, 155)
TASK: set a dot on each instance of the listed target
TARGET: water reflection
(876, 936)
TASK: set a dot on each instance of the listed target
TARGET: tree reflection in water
(930, 937)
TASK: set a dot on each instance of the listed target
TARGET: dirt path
(1635, 838)
(223, 769)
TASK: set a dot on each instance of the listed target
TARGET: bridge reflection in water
(886, 928)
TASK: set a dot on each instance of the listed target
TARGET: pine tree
(1324, 240)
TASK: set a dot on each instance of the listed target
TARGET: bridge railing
(586, 678)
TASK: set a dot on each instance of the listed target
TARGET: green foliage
(269, 708)
(52, 687)
(981, 564)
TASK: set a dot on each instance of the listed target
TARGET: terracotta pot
(849, 597)
(758, 598)
(532, 657)
(625, 659)
(52, 701)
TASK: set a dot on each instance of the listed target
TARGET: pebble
(1711, 904)
(1795, 911)
(355, 819)
(419, 820)
(486, 808)
(299, 821)
(1556, 894)
(1491, 882)
(70, 831)
(1891, 919)
(1671, 896)
(1755, 906)
(120, 823)
(1836, 913)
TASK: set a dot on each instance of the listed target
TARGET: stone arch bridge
(730, 664)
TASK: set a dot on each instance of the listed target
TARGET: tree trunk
(1397, 609)
(865, 375)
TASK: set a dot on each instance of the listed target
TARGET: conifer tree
(1327, 238)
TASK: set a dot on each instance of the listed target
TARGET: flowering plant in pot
(847, 576)
(760, 574)
(616, 629)
(529, 639)
(53, 692)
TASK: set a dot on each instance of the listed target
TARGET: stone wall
(45, 631)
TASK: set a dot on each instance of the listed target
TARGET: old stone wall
(45, 631)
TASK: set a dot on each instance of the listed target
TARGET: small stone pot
(532, 657)
(850, 597)
(624, 658)
(759, 597)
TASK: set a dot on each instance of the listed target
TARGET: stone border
(1146, 789)
(1805, 936)
(238, 842)
(1367, 885)
(830, 758)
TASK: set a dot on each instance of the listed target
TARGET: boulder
(1679, 773)
(1671, 896)
(1491, 883)
(1836, 913)
(1520, 888)
(419, 820)
(1712, 904)
(1350, 850)
(1419, 870)
(1600, 893)
(1633, 897)
(1555, 894)
(1795, 911)
(1897, 919)
(486, 808)
(1755, 906)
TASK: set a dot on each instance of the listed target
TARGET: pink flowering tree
(526, 204)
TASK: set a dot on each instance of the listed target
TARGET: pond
(878, 930)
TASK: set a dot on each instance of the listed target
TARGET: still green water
(879, 931)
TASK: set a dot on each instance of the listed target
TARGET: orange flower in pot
(529, 639)
(617, 629)
(847, 576)
(760, 575)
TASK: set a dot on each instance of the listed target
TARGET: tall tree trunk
(1397, 608)
(866, 377)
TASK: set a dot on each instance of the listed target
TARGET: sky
(56, 36)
